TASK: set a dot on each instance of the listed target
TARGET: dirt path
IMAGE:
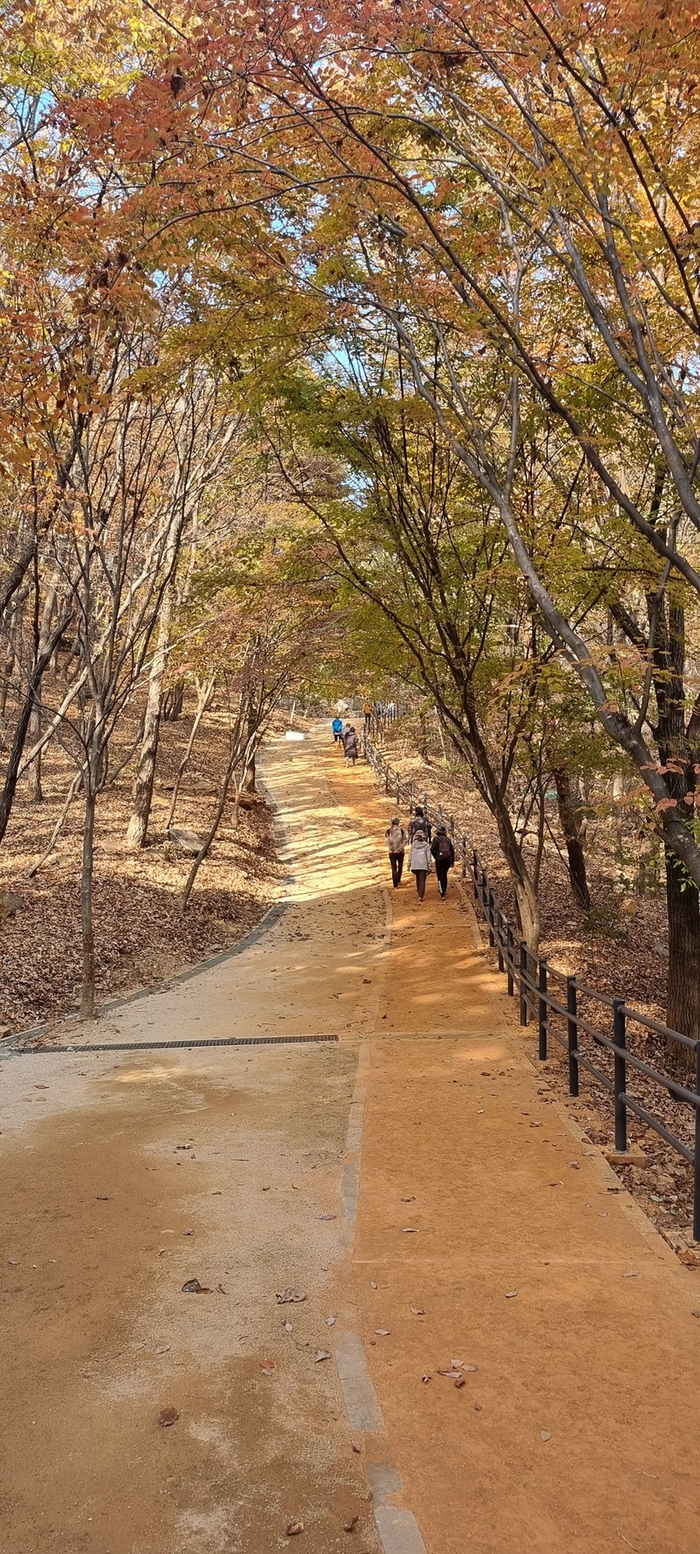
(573, 1433)
(134, 1172)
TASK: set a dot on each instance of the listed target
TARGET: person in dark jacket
(419, 823)
(444, 854)
(350, 745)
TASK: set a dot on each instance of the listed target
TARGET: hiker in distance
(396, 844)
(367, 709)
(419, 823)
(350, 746)
(444, 854)
(337, 729)
(419, 861)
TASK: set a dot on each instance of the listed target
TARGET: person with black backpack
(444, 854)
(396, 844)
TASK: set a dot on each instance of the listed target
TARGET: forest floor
(427, 1315)
(619, 949)
(141, 934)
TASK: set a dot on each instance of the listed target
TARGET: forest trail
(452, 1182)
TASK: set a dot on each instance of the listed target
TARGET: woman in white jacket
(419, 861)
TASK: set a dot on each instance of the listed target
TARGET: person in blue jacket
(337, 727)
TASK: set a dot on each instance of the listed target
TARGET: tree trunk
(528, 909)
(20, 735)
(203, 702)
(87, 1000)
(143, 786)
(172, 703)
(34, 788)
(571, 827)
(204, 849)
(248, 782)
(682, 1011)
(5, 674)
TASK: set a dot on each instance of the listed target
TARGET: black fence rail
(593, 1029)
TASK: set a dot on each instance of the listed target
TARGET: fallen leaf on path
(221, 1289)
(575, 1165)
(478, 1408)
(289, 1297)
(168, 1416)
(13, 1261)
(328, 1216)
(451, 1374)
(267, 1366)
(102, 1198)
(689, 1258)
(188, 1232)
(293, 1528)
(356, 1448)
(412, 1199)
(511, 1294)
(41, 1087)
(460, 1381)
(410, 1230)
(322, 1354)
(373, 1284)
(266, 1189)
(382, 1332)
(426, 1377)
(545, 1435)
(633, 1274)
(556, 1184)
(164, 1349)
(351, 1525)
(193, 1287)
(331, 1320)
(472, 1368)
(418, 1311)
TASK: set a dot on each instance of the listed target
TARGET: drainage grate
(167, 1046)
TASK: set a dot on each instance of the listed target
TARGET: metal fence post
(523, 984)
(620, 1077)
(452, 827)
(572, 1011)
(696, 1189)
(398, 789)
(488, 894)
(499, 937)
(543, 1011)
(475, 867)
(510, 951)
(464, 857)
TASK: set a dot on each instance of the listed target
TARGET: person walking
(396, 843)
(337, 727)
(444, 854)
(350, 745)
(367, 709)
(419, 823)
(419, 861)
